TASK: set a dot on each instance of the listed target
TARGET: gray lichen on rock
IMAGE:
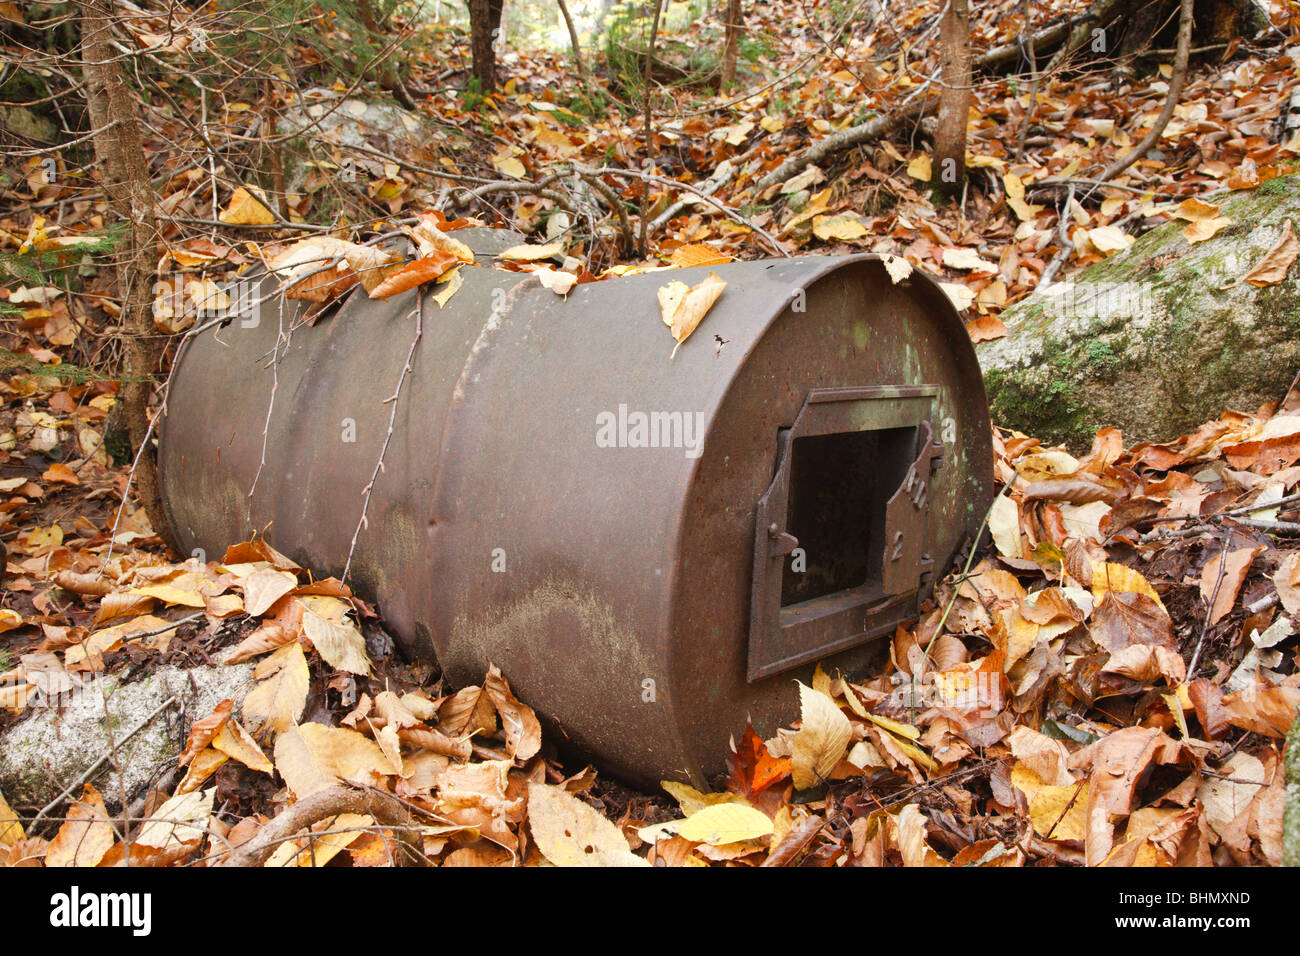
(53, 745)
(1155, 339)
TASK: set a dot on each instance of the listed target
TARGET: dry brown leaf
(85, 836)
(822, 740)
(1275, 265)
(1125, 618)
(276, 703)
(203, 731)
(236, 742)
(340, 644)
(523, 732)
(312, 757)
(264, 587)
(248, 206)
(266, 638)
(1223, 588)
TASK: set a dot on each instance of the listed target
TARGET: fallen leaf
(518, 721)
(11, 828)
(683, 308)
(312, 757)
(571, 833)
(263, 588)
(247, 207)
(822, 739)
(1275, 265)
(527, 253)
(723, 823)
(339, 644)
(85, 836)
(182, 819)
(277, 701)
(413, 274)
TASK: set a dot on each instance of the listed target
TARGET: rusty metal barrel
(651, 550)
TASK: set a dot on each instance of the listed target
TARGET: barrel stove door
(840, 534)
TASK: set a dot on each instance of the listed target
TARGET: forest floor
(1109, 682)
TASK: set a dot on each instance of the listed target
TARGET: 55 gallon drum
(650, 549)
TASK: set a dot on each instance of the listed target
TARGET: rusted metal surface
(547, 503)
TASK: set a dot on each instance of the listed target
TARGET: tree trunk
(578, 63)
(484, 27)
(948, 172)
(731, 42)
(125, 174)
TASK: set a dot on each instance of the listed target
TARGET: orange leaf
(751, 768)
(420, 271)
(61, 474)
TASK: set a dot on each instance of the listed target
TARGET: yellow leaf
(822, 740)
(264, 587)
(1023, 211)
(313, 757)
(684, 308)
(527, 253)
(691, 800)
(844, 228)
(1109, 576)
(571, 833)
(911, 839)
(919, 168)
(724, 823)
(1108, 239)
(247, 207)
(1047, 811)
(276, 703)
(1004, 525)
(897, 728)
(205, 763)
(11, 828)
(697, 254)
(510, 166)
(453, 281)
(183, 590)
(1194, 210)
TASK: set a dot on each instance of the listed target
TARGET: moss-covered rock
(1158, 338)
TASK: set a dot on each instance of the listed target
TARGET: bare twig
(392, 419)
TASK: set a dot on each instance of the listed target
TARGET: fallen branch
(386, 810)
